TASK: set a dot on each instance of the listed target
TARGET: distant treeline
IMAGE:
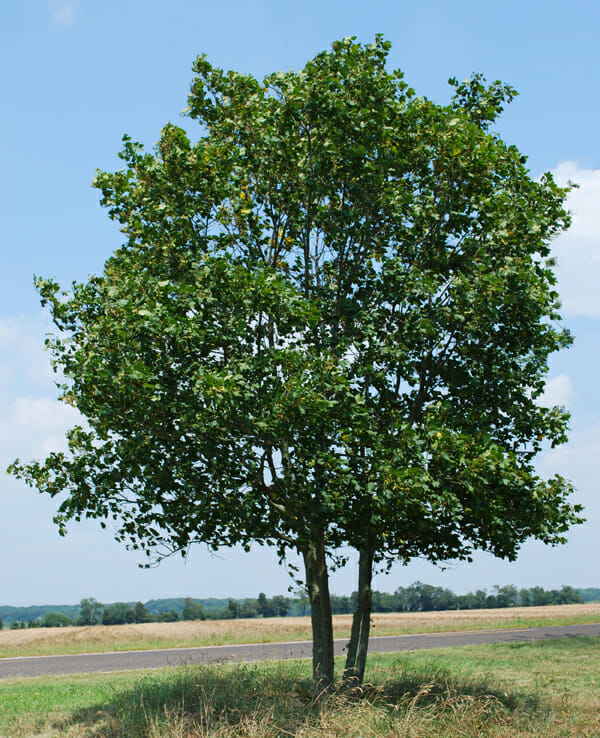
(420, 597)
(417, 597)
(91, 612)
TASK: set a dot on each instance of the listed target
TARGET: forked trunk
(356, 659)
(317, 583)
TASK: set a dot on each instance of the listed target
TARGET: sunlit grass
(546, 688)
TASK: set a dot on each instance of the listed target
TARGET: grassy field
(48, 641)
(548, 688)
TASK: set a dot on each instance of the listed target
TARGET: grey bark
(317, 583)
(356, 659)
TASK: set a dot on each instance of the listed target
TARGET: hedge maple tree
(328, 326)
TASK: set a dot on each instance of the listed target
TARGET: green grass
(547, 688)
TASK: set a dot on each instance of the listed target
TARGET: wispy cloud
(578, 250)
(558, 391)
(63, 12)
(32, 420)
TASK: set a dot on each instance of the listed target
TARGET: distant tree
(303, 600)
(340, 605)
(590, 594)
(232, 610)
(525, 597)
(118, 613)
(506, 596)
(382, 601)
(192, 610)
(248, 608)
(409, 598)
(55, 620)
(90, 611)
(568, 596)
(168, 616)
(539, 596)
(140, 614)
(444, 599)
(1, 624)
(480, 597)
(264, 606)
(280, 605)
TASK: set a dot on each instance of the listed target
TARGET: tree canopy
(329, 324)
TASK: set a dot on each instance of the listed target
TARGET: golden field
(100, 638)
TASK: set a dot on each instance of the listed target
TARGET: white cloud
(32, 421)
(63, 12)
(579, 461)
(23, 360)
(43, 414)
(558, 391)
(33, 427)
(578, 250)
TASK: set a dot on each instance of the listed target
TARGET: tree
(568, 595)
(248, 608)
(55, 620)
(140, 614)
(280, 605)
(90, 611)
(263, 606)
(329, 324)
(506, 595)
(118, 613)
(232, 610)
(168, 616)
(192, 610)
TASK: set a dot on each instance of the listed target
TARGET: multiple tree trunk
(317, 583)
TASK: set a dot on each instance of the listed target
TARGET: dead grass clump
(275, 706)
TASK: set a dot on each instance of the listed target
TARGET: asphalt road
(32, 666)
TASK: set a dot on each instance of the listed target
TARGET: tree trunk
(317, 583)
(356, 658)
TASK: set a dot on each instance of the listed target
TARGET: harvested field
(101, 638)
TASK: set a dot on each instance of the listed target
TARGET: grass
(546, 688)
(50, 641)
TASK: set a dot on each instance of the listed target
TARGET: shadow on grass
(271, 700)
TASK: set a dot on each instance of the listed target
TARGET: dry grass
(46, 641)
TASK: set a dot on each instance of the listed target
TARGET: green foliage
(277, 606)
(140, 614)
(118, 614)
(193, 610)
(90, 611)
(32, 613)
(329, 324)
(591, 594)
(168, 616)
(55, 620)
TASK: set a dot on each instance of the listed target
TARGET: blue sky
(78, 74)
